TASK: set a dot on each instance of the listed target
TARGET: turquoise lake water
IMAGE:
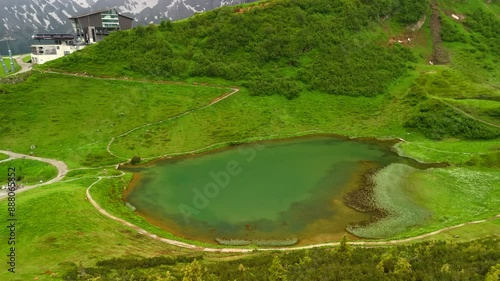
(269, 190)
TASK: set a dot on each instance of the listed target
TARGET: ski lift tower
(3, 64)
(8, 39)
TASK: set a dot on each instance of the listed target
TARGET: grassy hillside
(7, 63)
(276, 47)
(302, 67)
(341, 48)
(3, 156)
(75, 121)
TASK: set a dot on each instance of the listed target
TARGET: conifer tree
(277, 271)
(193, 272)
(344, 250)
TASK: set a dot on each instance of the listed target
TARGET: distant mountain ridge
(22, 18)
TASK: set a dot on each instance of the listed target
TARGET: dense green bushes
(480, 33)
(410, 11)
(439, 121)
(416, 94)
(130, 263)
(268, 85)
(125, 268)
(355, 69)
(135, 160)
(486, 26)
(280, 47)
(450, 32)
(423, 261)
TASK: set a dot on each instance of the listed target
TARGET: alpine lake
(290, 189)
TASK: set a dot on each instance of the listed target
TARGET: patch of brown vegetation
(246, 9)
(362, 199)
(406, 39)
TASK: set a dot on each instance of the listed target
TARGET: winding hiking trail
(468, 115)
(62, 169)
(247, 250)
(25, 66)
(216, 100)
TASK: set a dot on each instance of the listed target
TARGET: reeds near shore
(258, 242)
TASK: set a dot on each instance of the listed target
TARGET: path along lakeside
(63, 169)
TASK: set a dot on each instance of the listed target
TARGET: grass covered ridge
(244, 117)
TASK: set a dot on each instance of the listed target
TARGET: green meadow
(29, 172)
(77, 120)
(3, 156)
(244, 118)
(139, 107)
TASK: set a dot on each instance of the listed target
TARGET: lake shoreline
(375, 212)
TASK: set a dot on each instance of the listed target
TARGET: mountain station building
(89, 29)
(93, 27)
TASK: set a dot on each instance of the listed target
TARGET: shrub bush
(285, 45)
(439, 121)
(135, 160)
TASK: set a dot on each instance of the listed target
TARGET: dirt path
(25, 67)
(216, 100)
(468, 115)
(126, 79)
(246, 250)
(108, 147)
(62, 169)
(124, 222)
(439, 54)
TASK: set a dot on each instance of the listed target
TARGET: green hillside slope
(335, 47)
(425, 72)
(277, 47)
